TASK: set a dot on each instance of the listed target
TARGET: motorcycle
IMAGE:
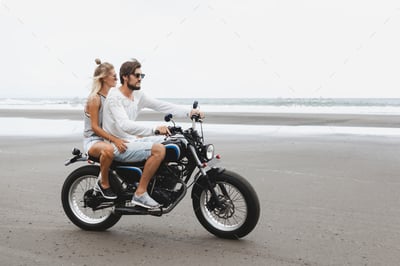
(223, 201)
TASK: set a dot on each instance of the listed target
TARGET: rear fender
(93, 168)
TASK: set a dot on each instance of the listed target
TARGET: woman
(104, 78)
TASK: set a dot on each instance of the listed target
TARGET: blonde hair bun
(98, 61)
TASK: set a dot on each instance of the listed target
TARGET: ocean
(387, 106)
(20, 126)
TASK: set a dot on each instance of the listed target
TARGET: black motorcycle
(223, 201)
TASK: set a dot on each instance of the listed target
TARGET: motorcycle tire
(84, 178)
(241, 210)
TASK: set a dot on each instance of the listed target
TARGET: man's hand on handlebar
(197, 112)
(162, 130)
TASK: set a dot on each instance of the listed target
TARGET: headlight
(209, 152)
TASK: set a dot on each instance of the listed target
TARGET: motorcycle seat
(118, 163)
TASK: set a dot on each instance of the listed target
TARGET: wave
(387, 106)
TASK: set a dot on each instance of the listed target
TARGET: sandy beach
(304, 119)
(325, 200)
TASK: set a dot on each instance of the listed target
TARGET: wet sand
(325, 200)
(356, 120)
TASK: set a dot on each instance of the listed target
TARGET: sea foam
(323, 106)
(62, 128)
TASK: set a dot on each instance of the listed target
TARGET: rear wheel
(78, 199)
(240, 209)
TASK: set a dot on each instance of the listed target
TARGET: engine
(167, 186)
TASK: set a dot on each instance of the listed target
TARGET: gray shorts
(137, 149)
(88, 142)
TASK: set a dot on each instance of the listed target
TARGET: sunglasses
(138, 75)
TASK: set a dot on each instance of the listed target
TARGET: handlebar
(195, 118)
(176, 129)
(168, 117)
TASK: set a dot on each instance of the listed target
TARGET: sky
(207, 49)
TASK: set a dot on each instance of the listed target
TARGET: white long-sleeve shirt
(120, 113)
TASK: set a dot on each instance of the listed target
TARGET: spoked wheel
(238, 213)
(233, 212)
(81, 205)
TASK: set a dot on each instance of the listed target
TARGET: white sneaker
(145, 201)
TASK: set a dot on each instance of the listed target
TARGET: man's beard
(133, 87)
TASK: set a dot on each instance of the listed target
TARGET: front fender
(203, 181)
(213, 172)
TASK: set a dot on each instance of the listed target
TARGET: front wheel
(77, 194)
(239, 211)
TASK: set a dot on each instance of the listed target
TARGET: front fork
(209, 178)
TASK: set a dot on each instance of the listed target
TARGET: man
(121, 109)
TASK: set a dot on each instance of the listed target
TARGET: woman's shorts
(90, 141)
